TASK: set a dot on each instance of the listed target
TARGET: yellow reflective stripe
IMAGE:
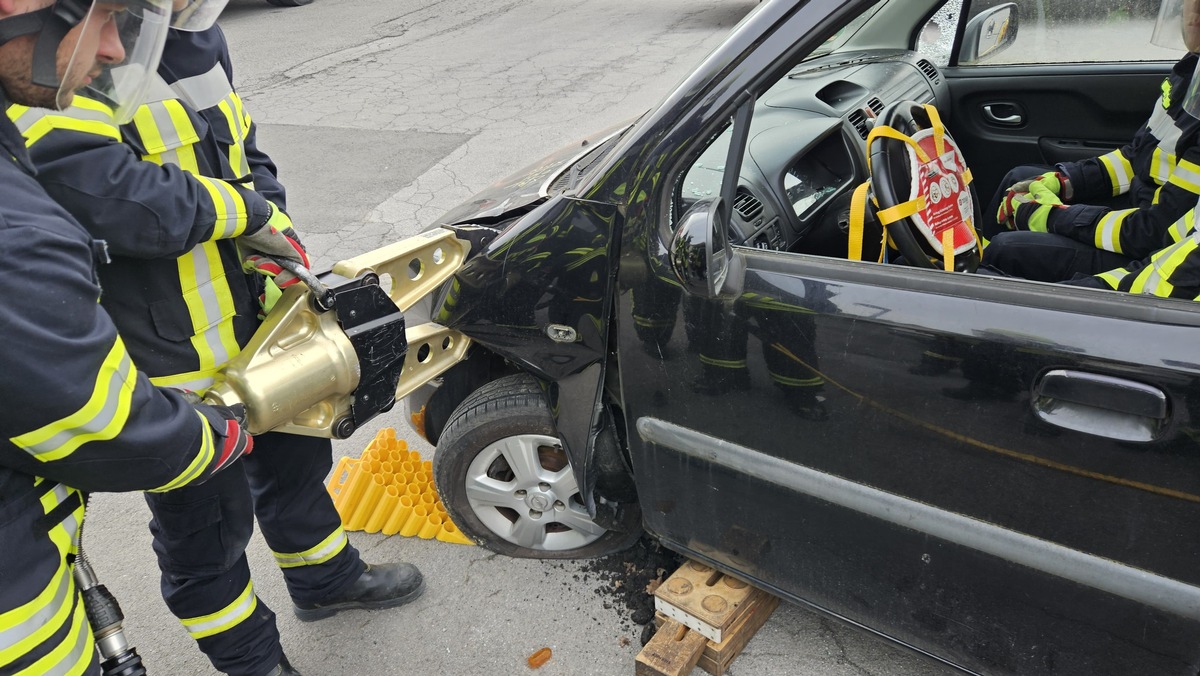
(196, 381)
(1186, 176)
(1120, 171)
(101, 418)
(73, 656)
(243, 130)
(948, 250)
(49, 123)
(1108, 230)
(224, 619)
(64, 535)
(324, 550)
(1180, 228)
(1153, 279)
(204, 457)
(902, 210)
(1162, 164)
(237, 155)
(797, 382)
(723, 363)
(231, 217)
(34, 622)
(210, 305)
(1113, 277)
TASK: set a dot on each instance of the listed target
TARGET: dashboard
(806, 148)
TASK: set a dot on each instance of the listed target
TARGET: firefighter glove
(1034, 212)
(275, 280)
(1056, 181)
(276, 238)
(230, 438)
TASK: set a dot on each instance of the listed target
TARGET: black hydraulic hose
(117, 657)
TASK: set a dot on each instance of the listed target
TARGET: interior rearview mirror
(989, 33)
(700, 249)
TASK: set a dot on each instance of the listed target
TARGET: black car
(670, 333)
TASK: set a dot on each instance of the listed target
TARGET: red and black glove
(276, 238)
(230, 438)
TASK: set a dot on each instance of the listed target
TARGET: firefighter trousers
(200, 536)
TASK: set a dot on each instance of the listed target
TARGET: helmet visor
(1191, 100)
(1167, 32)
(116, 54)
(196, 15)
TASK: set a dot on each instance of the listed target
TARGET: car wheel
(289, 3)
(507, 482)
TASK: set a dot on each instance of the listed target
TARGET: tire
(289, 3)
(533, 511)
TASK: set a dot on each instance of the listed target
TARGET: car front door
(1077, 80)
(1000, 473)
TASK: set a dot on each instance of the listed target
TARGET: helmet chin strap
(51, 24)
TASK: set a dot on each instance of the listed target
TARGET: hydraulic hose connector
(118, 658)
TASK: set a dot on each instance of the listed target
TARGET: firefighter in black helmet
(77, 414)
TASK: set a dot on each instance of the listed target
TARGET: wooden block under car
(702, 599)
(674, 651)
(717, 657)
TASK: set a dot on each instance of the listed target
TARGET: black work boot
(383, 585)
(284, 668)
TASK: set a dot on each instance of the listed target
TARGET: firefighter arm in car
(77, 410)
(109, 178)
(1137, 232)
(1170, 272)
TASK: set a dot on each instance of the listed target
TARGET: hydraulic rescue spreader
(339, 349)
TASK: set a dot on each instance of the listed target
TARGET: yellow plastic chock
(389, 490)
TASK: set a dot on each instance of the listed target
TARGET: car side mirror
(989, 33)
(700, 249)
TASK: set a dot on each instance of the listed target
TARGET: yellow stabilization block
(390, 490)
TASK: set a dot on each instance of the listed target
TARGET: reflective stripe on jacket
(1171, 272)
(1159, 170)
(169, 192)
(77, 416)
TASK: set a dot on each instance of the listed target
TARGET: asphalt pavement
(381, 115)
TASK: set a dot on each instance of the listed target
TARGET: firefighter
(77, 415)
(183, 194)
(1153, 181)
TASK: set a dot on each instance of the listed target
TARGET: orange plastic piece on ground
(539, 658)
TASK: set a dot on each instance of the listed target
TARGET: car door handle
(1102, 405)
(1004, 114)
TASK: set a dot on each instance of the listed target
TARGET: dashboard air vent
(859, 119)
(930, 71)
(746, 205)
(875, 105)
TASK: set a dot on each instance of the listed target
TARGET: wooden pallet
(677, 648)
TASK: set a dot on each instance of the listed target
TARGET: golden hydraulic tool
(336, 350)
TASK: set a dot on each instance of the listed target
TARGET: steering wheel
(922, 186)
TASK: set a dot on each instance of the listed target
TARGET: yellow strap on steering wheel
(889, 132)
(858, 215)
(939, 129)
(902, 210)
(948, 250)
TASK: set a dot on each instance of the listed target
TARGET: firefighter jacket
(77, 416)
(1159, 170)
(170, 191)
(1171, 272)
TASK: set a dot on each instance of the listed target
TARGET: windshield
(839, 38)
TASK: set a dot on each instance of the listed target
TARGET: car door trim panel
(1137, 585)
